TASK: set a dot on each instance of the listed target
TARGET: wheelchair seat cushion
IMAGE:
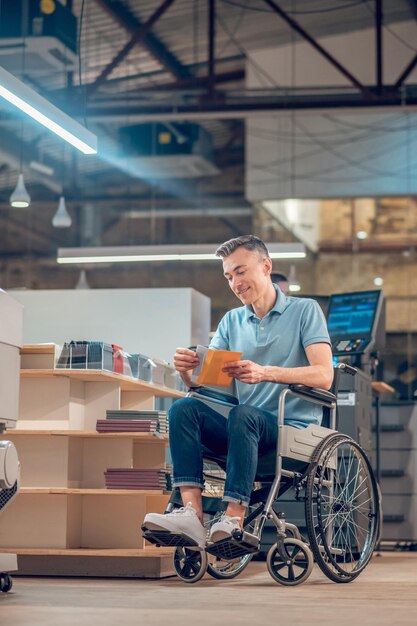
(266, 464)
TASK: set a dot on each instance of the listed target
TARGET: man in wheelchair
(285, 342)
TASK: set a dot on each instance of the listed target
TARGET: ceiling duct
(49, 39)
(161, 150)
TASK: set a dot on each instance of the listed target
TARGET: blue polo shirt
(280, 339)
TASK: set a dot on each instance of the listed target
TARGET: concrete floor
(385, 594)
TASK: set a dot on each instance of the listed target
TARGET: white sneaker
(183, 520)
(224, 527)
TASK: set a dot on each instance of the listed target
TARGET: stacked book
(137, 417)
(134, 478)
(126, 426)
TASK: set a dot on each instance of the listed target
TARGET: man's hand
(185, 360)
(245, 371)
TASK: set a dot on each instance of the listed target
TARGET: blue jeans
(247, 432)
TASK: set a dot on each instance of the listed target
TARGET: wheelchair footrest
(167, 539)
(236, 546)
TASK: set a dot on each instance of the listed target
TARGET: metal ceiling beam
(246, 106)
(211, 46)
(138, 36)
(196, 82)
(378, 42)
(406, 73)
(305, 35)
(129, 22)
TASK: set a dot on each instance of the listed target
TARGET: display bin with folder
(158, 371)
(141, 366)
(86, 355)
(170, 377)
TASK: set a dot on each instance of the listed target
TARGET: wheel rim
(228, 569)
(295, 567)
(344, 509)
(188, 563)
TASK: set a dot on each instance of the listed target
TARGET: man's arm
(318, 374)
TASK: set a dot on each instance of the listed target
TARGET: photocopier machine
(11, 325)
(356, 324)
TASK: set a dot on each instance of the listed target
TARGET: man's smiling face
(248, 274)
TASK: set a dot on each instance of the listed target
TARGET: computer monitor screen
(352, 314)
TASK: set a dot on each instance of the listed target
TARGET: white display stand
(64, 521)
(151, 321)
(10, 342)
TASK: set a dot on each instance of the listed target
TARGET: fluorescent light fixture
(30, 102)
(41, 168)
(194, 252)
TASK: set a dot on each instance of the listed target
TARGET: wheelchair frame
(290, 552)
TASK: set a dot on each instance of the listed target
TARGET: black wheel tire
(336, 574)
(190, 564)
(6, 582)
(276, 565)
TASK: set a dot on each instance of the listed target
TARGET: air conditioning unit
(49, 38)
(167, 150)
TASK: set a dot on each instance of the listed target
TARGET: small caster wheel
(293, 570)
(190, 564)
(6, 582)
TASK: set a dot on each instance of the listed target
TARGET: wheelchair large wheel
(190, 564)
(342, 508)
(222, 569)
(295, 568)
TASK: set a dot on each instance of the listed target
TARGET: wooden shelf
(62, 455)
(38, 348)
(120, 552)
(100, 376)
(57, 491)
(142, 552)
(149, 562)
(87, 434)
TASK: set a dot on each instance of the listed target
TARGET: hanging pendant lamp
(294, 285)
(20, 199)
(61, 219)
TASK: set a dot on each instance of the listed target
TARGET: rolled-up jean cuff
(235, 497)
(188, 482)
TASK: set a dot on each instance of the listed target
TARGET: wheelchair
(325, 469)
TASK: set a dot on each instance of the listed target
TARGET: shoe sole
(219, 535)
(165, 537)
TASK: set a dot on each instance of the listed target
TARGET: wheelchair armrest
(321, 395)
(215, 394)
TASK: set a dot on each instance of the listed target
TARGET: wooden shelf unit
(63, 514)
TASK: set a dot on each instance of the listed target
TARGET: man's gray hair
(249, 242)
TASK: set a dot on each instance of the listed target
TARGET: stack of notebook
(160, 417)
(143, 479)
(126, 426)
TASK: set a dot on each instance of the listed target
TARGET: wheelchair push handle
(349, 369)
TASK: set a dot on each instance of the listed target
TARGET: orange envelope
(211, 373)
